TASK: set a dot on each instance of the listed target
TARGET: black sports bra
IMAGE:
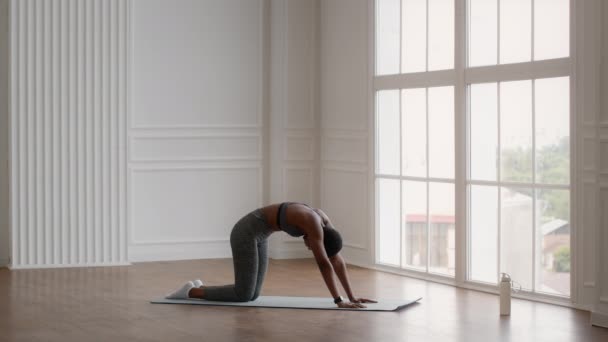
(282, 218)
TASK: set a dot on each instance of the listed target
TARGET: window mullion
(534, 182)
(499, 192)
(428, 218)
(460, 144)
(401, 221)
(519, 71)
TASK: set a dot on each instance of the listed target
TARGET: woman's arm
(339, 267)
(315, 242)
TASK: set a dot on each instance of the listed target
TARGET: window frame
(460, 78)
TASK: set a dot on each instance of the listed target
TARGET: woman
(249, 242)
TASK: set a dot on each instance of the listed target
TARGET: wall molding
(188, 136)
(193, 126)
(344, 244)
(309, 75)
(196, 159)
(177, 242)
(361, 159)
(140, 247)
(135, 243)
(362, 171)
(342, 132)
(259, 111)
(342, 168)
(53, 266)
(190, 251)
(354, 245)
(342, 135)
(257, 157)
(140, 168)
(309, 139)
(287, 168)
(289, 251)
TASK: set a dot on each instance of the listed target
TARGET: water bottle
(505, 295)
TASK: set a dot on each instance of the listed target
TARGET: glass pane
(441, 34)
(388, 132)
(388, 221)
(483, 32)
(551, 29)
(484, 131)
(516, 229)
(441, 132)
(415, 228)
(552, 114)
(516, 131)
(413, 123)
(553, 241)
(387, 37)
(442, 228)
(484, 233)
(515, 31)
(413, 35)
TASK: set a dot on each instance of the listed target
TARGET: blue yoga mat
(318, 303)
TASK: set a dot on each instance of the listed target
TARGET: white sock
(197, 283)
(182, 292)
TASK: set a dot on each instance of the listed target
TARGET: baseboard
(599, 319)
(359, 264)
(356, 256)
(179, 251)
(42, 266)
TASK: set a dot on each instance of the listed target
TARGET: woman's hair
(332, 241)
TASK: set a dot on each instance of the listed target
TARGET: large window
(486, 92)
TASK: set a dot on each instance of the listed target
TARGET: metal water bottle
(505, 295)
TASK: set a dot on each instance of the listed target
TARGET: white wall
(345, 106)
(4, 136)
(196, 160)
(190, 98)
(68, 117)
(225, 119)
(294, 112)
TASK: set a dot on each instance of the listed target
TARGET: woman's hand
(345, 305)
(362, 300)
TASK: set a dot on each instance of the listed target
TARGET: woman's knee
(245, 295)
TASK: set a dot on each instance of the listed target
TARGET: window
(496, 107)
(415, 170)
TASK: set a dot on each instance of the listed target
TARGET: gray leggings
(249, 242)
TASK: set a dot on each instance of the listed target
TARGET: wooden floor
(111, 304)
